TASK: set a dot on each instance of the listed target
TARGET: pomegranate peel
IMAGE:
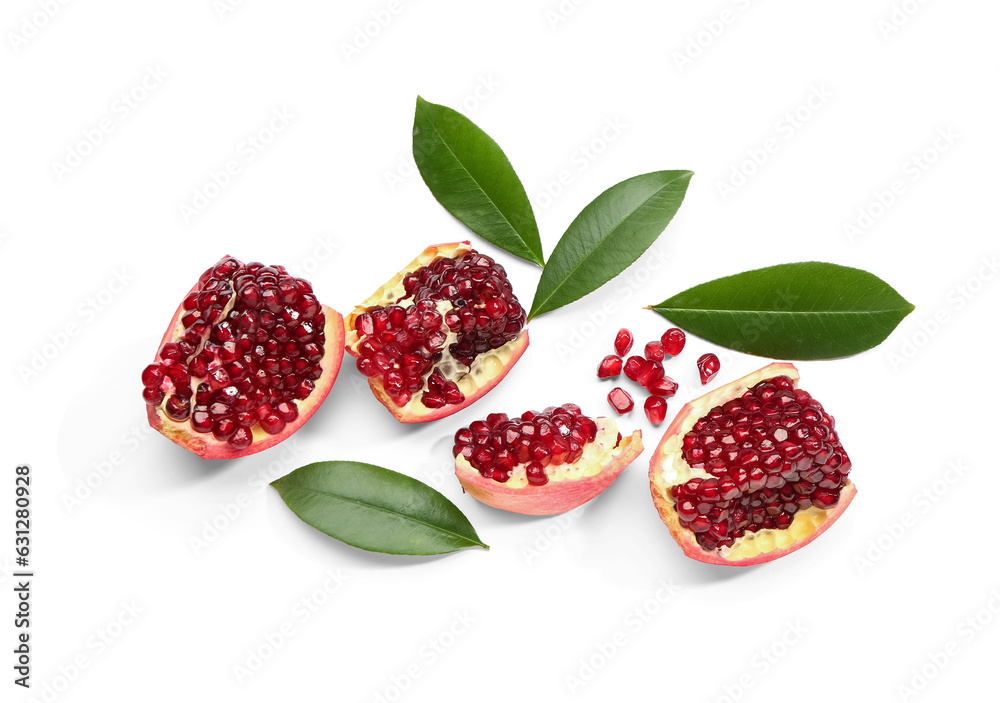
(328, 341)
(561, 485)
(453, 364)
(669, 470)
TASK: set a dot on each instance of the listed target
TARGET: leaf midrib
(483, 190)
(611, 231)
(389, 512)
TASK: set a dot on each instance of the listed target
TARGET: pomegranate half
(245, 361)
(438, 335)
(750, 472)
(542, 463)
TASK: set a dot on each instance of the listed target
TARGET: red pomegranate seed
(633, 366)
(673, 341)
(655, 408)
(654, 351)
(764, 467)
(623, 341)
(666, 387)
(621, 401)
(610, 367)
(650, 373)
(708, 367)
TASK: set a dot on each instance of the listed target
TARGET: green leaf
(471, 177)
(608, 236)
(376, 509)
(802, 311)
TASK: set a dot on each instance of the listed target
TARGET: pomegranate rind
(208, 447)
(667, 468)
(487, 370)
(555, 496)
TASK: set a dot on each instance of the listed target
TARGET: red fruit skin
(670, 445)
(415, 411)
(206, 446)
(555, 496)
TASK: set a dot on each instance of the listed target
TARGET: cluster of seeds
(251, 347)
(645, 370)
(402, 343)
(770, 453)
(557, 435)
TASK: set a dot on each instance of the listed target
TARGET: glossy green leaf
(376, 509)
(809, 310)
(471, 177)
(608, 236)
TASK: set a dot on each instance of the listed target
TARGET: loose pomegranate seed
(655, 408)
(497, 446)
(403, 343)
(623, 341)
(673, 341)
(650, 373)
(769, 453)
(633, 367)
(610, 367)
(654, 351)
(708, 367)
(253, 338)
(621, 401)
(666, 387)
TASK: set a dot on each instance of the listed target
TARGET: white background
(844, 617)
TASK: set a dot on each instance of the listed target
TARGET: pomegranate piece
(623, 341)
(633, 366)
(654, 351)
(650, 373)
(655, 408)
(673, 341)
(666, 387)
(752, 471)
(621, 401)
(541, 463)
(610, 367)
(248, 340)
(708, 367)
(438, 335)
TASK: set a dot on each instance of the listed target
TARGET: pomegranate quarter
(439, 335)
(751, 471)
(541, 463)
(246, 360)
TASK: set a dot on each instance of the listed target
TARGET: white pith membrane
(485, 367)
(596, 456)
(675, 471)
